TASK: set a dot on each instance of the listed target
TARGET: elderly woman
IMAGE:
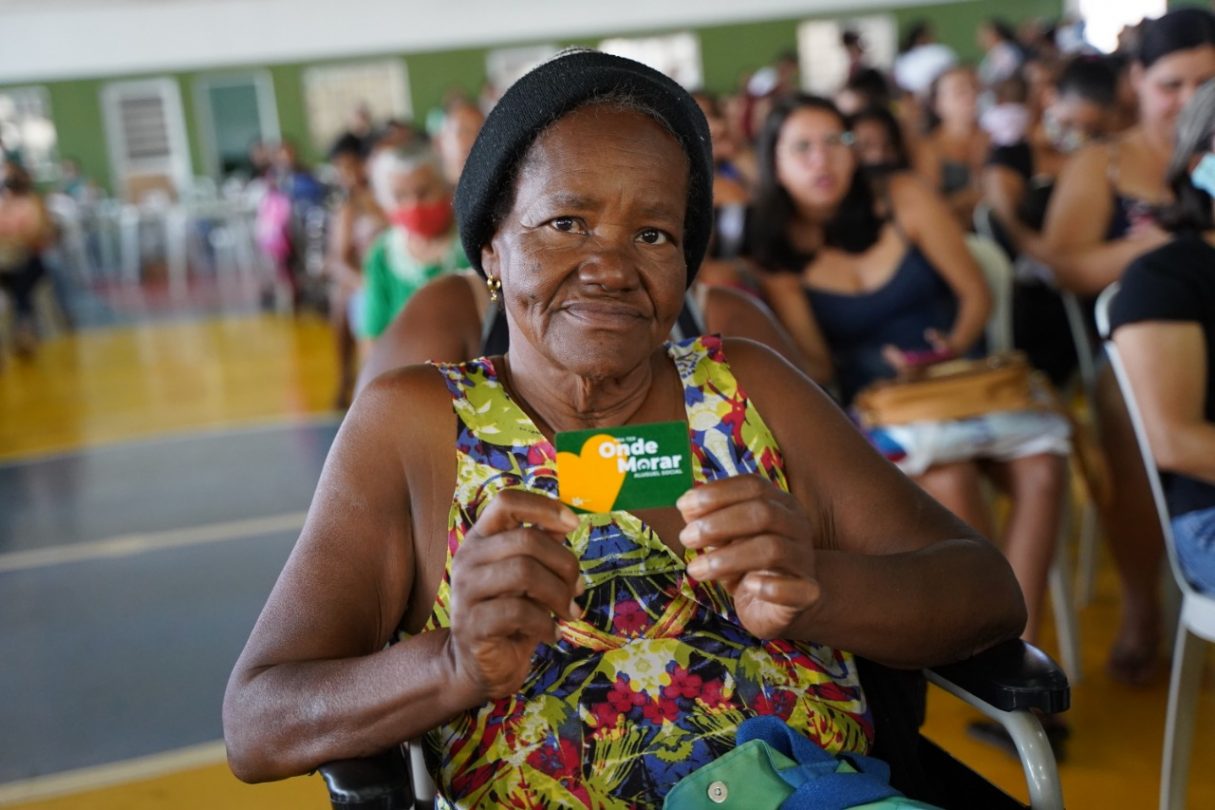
(549, 658)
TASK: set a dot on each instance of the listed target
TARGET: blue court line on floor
(109, 660)
(159, 486)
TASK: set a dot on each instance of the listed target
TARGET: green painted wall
(728, 51)
(289, 96)
(79, 126)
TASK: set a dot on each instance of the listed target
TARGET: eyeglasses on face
(800, 147)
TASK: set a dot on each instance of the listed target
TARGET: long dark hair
(856, 224)
(1180, 30)
(1003, 31)
(915, 32)
(1092, 78)
(1191, 209)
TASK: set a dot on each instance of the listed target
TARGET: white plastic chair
(1086, 556)
(1197, 619)
(998, 271)
(1077, 324)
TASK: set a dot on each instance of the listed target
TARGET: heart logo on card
(592, 479)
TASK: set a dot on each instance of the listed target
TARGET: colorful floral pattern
(654, 679)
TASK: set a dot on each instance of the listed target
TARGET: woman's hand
(511, 575)
(757, 543)
(903, 361)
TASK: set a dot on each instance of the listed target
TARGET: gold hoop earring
(494, 285)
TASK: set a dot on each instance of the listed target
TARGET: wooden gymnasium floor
(152, 480)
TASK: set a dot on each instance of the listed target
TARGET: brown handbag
(955, 389)
(960, 389)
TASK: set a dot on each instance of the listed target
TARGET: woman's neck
(427, 249)
(558, 400)
(1157, 140)
(808, 228)
(957, 130)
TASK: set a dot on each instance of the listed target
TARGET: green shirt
(391, 276)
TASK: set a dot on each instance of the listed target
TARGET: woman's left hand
(757, 542)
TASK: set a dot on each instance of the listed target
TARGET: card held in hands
(624, 468)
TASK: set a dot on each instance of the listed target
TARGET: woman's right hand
(511, 578)
(904, 361)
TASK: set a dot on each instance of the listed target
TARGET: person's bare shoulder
(409, 407)
(440, 323)
(916, 206)
(726, 304)
(908, 189)
(417, 382)
(1089, 163)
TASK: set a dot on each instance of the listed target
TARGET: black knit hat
(555, 88)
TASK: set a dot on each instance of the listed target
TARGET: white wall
(60, 39)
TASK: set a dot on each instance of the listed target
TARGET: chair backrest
(1104, 302)
(984, 222)
(1077, 324)
(998, 271)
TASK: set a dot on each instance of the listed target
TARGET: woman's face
(719, 134)
(814, 162)
(350, 172)
(987, 37)
(422, 184)
(1072, 120)
(850, 101)
(1167, 85)
(872, 145)
(1040, 77)
(957, 98)
(591, 254)
(456, 138)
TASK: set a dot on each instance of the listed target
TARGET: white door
(149, 150)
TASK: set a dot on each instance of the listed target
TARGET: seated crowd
(757, 267)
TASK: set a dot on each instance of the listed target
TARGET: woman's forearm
(1089, 270)
(969, 325)
(915, 609)
(288, 719)
(1187, 449)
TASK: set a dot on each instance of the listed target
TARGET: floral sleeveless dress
(654, 679)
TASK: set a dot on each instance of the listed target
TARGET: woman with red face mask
(421, 242)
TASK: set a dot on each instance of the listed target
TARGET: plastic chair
(1197, 619)
(1008, 683)
(998, 271)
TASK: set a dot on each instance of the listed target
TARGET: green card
(624, 468)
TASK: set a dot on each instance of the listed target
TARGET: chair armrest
(1010, 683)
(1011, 676)
(380, 782)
